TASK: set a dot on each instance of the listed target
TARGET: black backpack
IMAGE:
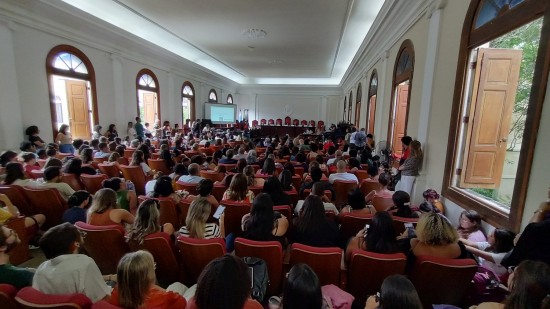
(260, 277)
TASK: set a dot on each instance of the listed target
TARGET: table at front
(292, 131)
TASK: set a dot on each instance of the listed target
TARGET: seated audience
(251, 157)
(492, 251)
(252, 180)
(204, 188)
(262, 223)
(19, 277)
(356, 204)
(396, 292)
(105, 211)
(318, 189)
(228, 158)
(380, 237)
(437, 237)
(163, 188)
(238, 190)
(274, 189)
(147, 222)
(302, 290)
(384, 192)
(52, 176)
(78, 204)
(126, 199)
(74, 166)
(29, 160)
(316, 175)
(9, 211)
(470, 226)
(195, 222)
(136, 286)
(312, 227)
(87, 156)
(193, 176)
(286, 181)
(138, 159)
(431, 202)
(15, 175)
(268, 168)
(103, 151)
(402, 205)
(341, 173)
(66, 271)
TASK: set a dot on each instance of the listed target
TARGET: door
(149, 107)
(400, 120)
(357, 114)
(79, 114)
(372, 112)
(494, 93)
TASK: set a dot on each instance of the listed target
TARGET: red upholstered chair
(254, 123)
(218, 191)
(154, 155)
(263, 122)
(351, 223)
(212, 175)
(163, 250)
(293, 197)
(399, 223)
(47, 202)
(158, 165)
(271, 122)
(105, 244)
(320, 123)
(7, 294)
(195, 254)
(296, 181)
(129, 152)
(109, 170)
(299, 170)
(307, 192)
(20, 253)
(29, 298)
(62, 156)
(341, 189)
(432, 277)
(135, 174)
(92, 183)
(103, 304)
(169, 212)
(367, 270)
(368, 185)
(312, 123)
(190, 153)
(256, 190)
(295, 122)
(234, 212)
(17, 196)
(279, 121)
(361, 175)
(381, 203)
(100, 160)
(288, 121)
(37, 174)
(303, 123)
(285, 210)
(190, 187)
(269, 251)
(41, 162)
(206, 151)
(228, 167)
(324, 261)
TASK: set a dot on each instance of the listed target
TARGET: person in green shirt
(9, 274)
(140, 133)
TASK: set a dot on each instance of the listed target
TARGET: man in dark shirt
(9, 274)
(140, 132)
(228, 158)
(316, 175)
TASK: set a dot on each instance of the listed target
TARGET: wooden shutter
(493, 99)
(149, 109)
(79, 115)
(372, 112)
(357, 114)
(400, 121)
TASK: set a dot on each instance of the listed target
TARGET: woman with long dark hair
(262, 223)
(380, 237)
(275, 190)
(312, 227)
(396, 292)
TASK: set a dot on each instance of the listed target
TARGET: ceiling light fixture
(254, 33)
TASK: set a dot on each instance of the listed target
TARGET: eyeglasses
(511, 269)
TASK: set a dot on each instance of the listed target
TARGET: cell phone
(367, 226)
(251, 275)
(409, 225)
(130, 186)
(219, 212)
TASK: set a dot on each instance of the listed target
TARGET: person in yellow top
(8, 211)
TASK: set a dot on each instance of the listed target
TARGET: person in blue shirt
(78, 203)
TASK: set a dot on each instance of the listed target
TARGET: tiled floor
(37, 258)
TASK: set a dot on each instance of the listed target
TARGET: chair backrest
(7, 294)
(399, 223)
(382, 203)
(190, 187)
(105, 244)
(254, 123)
(20, 253)
(324, 261)
(158, 165)
(361, 175)
(288, 120)
(47, 202)
(303, 122)
(293, 197)
(256, 190)
(134, 174)
(195, 254)
(17, 196)
(212, 175)
(29, 298)
(92, 183)
(128, 153)
(368, 185)
(295, 122)
(367, 270)
(320, 123)
(100, 160)
(109, 169)
(228, 167)
(263, 121)
(432, 276)
(285, 210)
(163, 250)
(218, 191)
(269, 251)
(279, 121)
(352, 223)
(72, 180)
(234, 212)
(37, 174)
(341, 189)
(312, 123)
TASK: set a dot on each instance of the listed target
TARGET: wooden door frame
(90, 77)
(156, 90)
(404, 76)
(373, 91)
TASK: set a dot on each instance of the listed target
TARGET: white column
(323, 109)
(118, 87)
(171, 112)
(11, 119)
(382, 101)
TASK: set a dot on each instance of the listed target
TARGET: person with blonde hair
(147, 222)
(195, 223)
(136, 285)
(437, 237)
(238, 190)
(409, 168)
(105, 211)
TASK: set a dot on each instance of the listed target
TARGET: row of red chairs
(288, 121)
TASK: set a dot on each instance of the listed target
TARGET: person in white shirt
(103, 151)
(317, 189)
(193, 177)
(338, 157)
(341, 173)
(66, 271)
(52, 176)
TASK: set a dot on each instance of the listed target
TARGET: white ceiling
(308, 42)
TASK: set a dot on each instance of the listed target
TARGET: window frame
(140, 87)
(191, 98)
(358, 106)
(90, 77)
(506, 21)
(215, 94)
(350, 104)
(229, 96)
(373, 91)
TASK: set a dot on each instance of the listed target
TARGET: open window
(187, 103)
(229, 99)
(371, 107)
(212, 96)
(499, 92)
(148, 106)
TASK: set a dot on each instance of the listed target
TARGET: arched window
(502, 75)
(371, 107)
(187, 103)
(148, 106)
(229, 99)
(345, 108)
(72, 87)
(358, 106)
(212, 96)
(402, 84)
(350, 109)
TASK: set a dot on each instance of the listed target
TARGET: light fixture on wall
(253, 33)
